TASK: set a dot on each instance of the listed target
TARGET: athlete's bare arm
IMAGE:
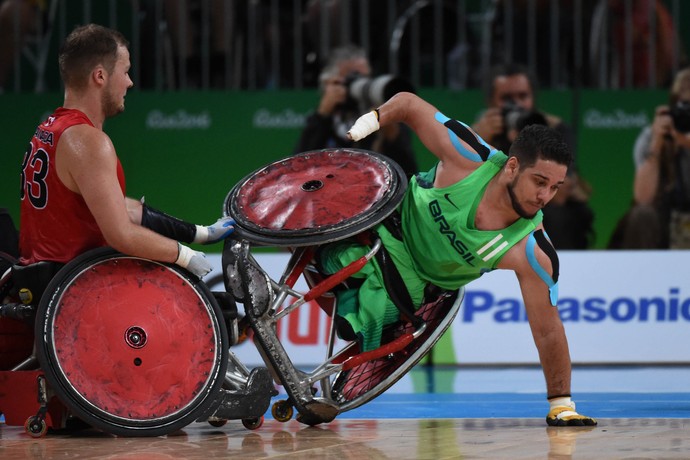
(423, 119)
(545, 323)
(548, 333)
(87, 164)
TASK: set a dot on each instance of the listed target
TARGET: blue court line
(516, 405)
(512, 405)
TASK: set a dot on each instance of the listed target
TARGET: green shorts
(368, 308)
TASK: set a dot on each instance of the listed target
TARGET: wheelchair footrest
(317, 411)
(252, 401)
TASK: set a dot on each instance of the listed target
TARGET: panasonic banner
(618, 307)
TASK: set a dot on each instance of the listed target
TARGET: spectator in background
(17, 21)
(510, 98)
(657, 28)
(337, 111)
(185, 25)
(517, 22)
(660, 215)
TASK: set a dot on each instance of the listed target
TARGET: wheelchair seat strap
(393, 224)
(395, 286)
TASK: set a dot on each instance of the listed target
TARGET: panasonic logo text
(669, 308)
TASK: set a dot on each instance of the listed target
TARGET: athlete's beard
(110, 106)
(514, 201)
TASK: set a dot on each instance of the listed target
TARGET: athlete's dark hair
(86, 47)
(540, 142)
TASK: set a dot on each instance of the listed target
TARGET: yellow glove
(562, 413)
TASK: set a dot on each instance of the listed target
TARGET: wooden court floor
(372, 439)
(643, 413)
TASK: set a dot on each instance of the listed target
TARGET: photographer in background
(660, 215)
(347, 91)
(510, 96)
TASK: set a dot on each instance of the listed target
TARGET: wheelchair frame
(346, 379)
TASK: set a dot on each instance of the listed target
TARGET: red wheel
(132, 346)
(316, 197)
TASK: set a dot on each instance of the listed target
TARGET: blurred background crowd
(357, 52)
(249, 44)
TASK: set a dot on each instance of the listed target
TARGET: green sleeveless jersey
(439, 232)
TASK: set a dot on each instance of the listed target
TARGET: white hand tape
(365, 125)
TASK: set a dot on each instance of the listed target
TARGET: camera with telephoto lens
(680, 114)
(511, 113)
(516, 117)
(371, 92)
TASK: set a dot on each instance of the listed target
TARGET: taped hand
(365, 125)
(215, 232)
(562, 413)
(194, 261)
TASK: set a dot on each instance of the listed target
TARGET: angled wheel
(132, 347)
(364, 382)
(316, 197)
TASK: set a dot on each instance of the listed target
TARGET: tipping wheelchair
(303, 203)
(140, 348)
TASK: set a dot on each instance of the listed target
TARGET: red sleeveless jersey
(55, 222)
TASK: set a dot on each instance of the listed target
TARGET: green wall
(185, 151)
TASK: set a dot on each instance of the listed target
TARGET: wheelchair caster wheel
(282, 411)
(217, 422)
(36, 427)
(253, 423)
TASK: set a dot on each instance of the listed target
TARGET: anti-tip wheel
(35, 426)
(217, 422)
(282, 411)
(253, 423)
